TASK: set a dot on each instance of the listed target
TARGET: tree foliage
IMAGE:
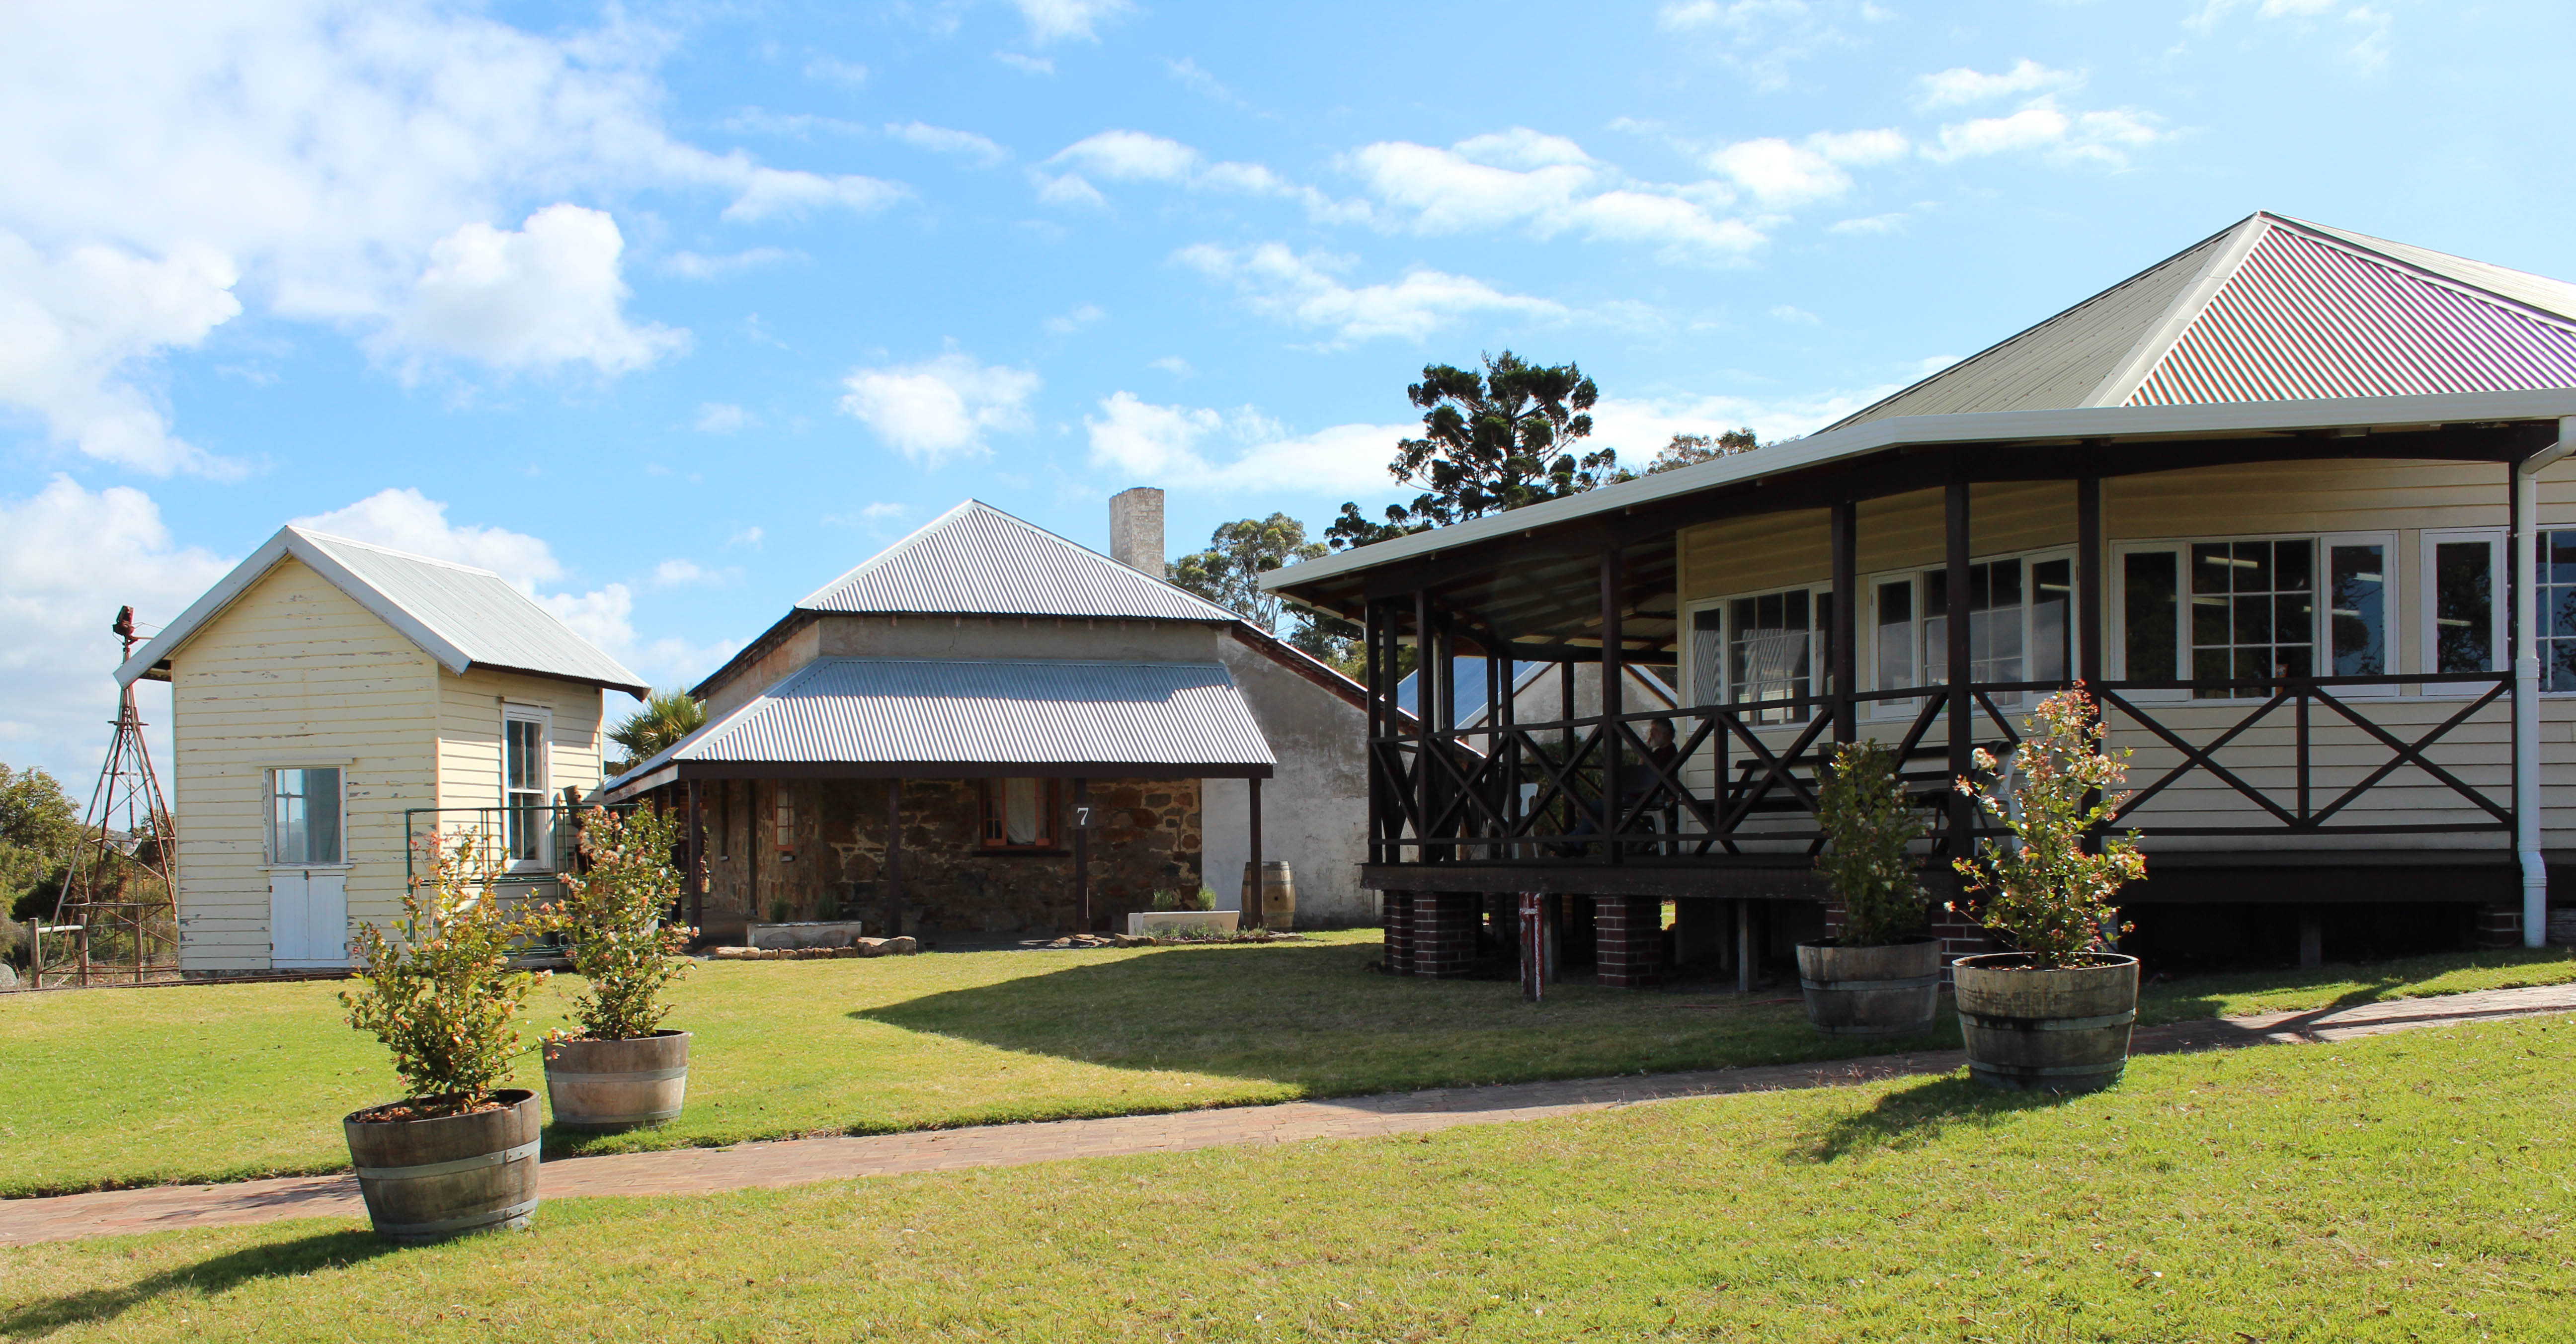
(440, 992)
(611, 922)
(2042, 890)
(1868, 822)
(37, 829)
(665, 718)
(1229, 571)
(1692, 449)
(1492, 441)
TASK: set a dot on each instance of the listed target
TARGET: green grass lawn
(2414, 1187)
(124, 1087)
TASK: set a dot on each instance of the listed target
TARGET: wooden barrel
(1872, 991)
(428, 1180)
(615, 1084)
(1269, 896)
(2048, 1031)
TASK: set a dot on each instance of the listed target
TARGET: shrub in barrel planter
(2053, 1013)
(459, 1153)
(621, 1068)
(1882, 975)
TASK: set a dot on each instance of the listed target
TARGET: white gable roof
(462, 616)
(2273, 309)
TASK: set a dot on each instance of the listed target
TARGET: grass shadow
(1920, 1113)
(220, 1274)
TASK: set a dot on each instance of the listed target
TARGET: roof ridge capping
(1169, 601)
(336, 539)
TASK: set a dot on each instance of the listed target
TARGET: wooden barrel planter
(1270, 896)
(617, 1084)
(1894, 990)
(430, 1179)
(2061, 1030)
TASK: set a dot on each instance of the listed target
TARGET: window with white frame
(2556, 592)
(2249, 609)
(1762, 646)
(2464, 628)
(2019, 612)
(524, 816)
(304, 817)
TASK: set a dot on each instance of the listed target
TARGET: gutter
(2526, 682)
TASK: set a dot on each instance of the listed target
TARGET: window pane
(2147, 598)
(523, 742)
(2265, 624)
(2253, 566)
(286, 817)
(1936, 627)
(2052, 585)
(2358, 604)
(2557, 597)
(1896, 635)
(2463, 606)
(322, 808)
(2293, 563)
(1708, 657)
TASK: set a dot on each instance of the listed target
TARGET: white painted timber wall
(2405, 498)
(295, 673)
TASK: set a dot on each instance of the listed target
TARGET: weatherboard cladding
(2302, 319)
(478, 611)
(976, 560)
(870, 711)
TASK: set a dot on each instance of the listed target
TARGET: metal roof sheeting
(1001, 712)
(976, 560)
(2272, 309)
(2302, 318)
(462, 616)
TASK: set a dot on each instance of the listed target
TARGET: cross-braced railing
(2334, 756)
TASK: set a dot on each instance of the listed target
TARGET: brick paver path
(799, 1161)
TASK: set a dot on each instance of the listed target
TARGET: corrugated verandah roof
(976, 560)
(462, 616)
(875, 717)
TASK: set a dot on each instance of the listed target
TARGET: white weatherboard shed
(328, 699)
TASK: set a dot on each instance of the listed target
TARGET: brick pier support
(1444, 933)
(1396, 908)
(2497, 926)
(1629, 940)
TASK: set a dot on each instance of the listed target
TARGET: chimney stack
(1136, 530)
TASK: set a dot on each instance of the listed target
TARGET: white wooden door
(308, 918)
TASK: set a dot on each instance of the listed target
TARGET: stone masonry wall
(830, 861)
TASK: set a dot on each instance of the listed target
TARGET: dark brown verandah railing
(1527, 793)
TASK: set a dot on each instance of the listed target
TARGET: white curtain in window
(1020, 811)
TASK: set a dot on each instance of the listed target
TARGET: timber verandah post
(1956, 670)
(1843, 652)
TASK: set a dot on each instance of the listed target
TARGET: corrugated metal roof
(2273, 309)
(2302, 318)
(462, 616)
(976, 560)
(1002, 712)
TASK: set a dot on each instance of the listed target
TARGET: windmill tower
(117, 920)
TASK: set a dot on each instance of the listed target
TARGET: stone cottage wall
(830, 862)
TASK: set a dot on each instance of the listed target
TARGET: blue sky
(672, 313)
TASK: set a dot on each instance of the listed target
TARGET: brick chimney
(1136, 529)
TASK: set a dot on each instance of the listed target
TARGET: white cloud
(1759, 37)
(68, 559)
(1961, 85)
(1171, 446)
(1133, 156)
(547, 294)
(1639, 427)
(1190, 74)
(716, 417)
(74, 325)
(749, 536)
(1069, 189)
(315, 152)
(1781, 175)
(769, 193)
(1546, 184)
(943, 140)
(1069, 323)
(1790, 312)
(1302, 290)
(834, 70)
(2103, 138)
(408, 520)
(1887, 223)
(681, 572)
(1173, 365)
(697, 266)
(939, 408)
(1027, 65)
(1060, 20)
(882, 510)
